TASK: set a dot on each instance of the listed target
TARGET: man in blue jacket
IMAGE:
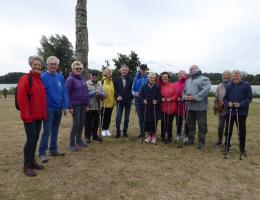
(57, 100)
(140, 79)
(237, 98)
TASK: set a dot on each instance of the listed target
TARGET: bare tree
(82, 34)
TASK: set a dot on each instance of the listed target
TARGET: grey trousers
(78, 124)
(201, 118)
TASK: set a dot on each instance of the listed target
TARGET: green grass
(126, 169)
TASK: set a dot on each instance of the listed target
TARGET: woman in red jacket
(31, 99)
(168, 107)
(178, 87)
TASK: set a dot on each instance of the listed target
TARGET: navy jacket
(125, 93)
(240, 93)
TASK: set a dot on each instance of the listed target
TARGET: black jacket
(125, 93)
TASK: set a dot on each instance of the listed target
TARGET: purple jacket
(77, 90)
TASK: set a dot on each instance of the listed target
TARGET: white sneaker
(108, 133)
(103, 133)
(177, 138)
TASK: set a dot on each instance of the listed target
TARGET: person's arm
(64, 94)
(69, 84)
(226, 97)
(205, 88)
(116, 88)
(134, 87)
(249, 96)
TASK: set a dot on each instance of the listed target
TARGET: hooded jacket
(33, 108)
(108, 87)
(198, 86)
(178, 87)
(93, 99)
(138, 83)
(168, 91)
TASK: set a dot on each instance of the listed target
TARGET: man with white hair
(57, 100)
(237, 98)
(195, 93)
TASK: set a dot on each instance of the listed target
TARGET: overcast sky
(166, 34)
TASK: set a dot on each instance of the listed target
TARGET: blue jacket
(240, 93)
(138, 83)
(56, 91)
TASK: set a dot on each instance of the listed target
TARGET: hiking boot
(35, 165)
(218, 144)
(58, 153)
(98, 139)
(82, 145)
(200, 146)
(244, 153)
(117, 135)
(28, 171)
(43, 159)
(148, 138)
(73, 148)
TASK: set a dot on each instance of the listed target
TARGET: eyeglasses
(53, 64)
(78, 69)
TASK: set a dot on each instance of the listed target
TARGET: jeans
(140, 113)
(50, 127)
(91, 124)
(78, 124)
(121, 107)
(242, 130)
(106, 117)
(32, 131)
(201, 118)
(221, 126)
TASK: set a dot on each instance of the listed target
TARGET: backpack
(30, 79)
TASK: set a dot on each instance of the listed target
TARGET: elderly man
(57, 100)
(195, 93)
(237, 98)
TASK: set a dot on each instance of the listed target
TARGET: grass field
(126, 169)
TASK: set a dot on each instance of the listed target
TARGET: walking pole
(155, 120)
(99, 119)
(117, 106)
(103, 114)
(143, 134)
(228, 133)
(238, 135)
(186, 114)
(179, 144)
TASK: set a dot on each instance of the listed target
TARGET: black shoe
(244, 153)
(218, 144)
(98, 139)
(58, 153)
(190, 142)
(125, 135)
(200, 146)
(169, 141)
(88, 141)
(117, 136)
(228, 150)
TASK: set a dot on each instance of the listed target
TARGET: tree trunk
(82, 34)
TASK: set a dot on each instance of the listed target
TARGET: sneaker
(82, 145)
(73, 148)
(218, 144)
(58, 153)
(200, 146)
(108, 133)
(148, 138)
(154, 139)
(104, 133)
(43, 159)
(177, 139)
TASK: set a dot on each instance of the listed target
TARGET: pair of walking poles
(229, 132)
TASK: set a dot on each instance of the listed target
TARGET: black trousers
(106, 117)
(166, 124)
(91, 124)
(242, 129)
(179, 120)
(32, 131)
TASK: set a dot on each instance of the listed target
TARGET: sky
(166, 34)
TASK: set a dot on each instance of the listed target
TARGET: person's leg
(108, 114)
(242, 132)
(221, 126)
(38, 126)
(178, 120)
(95, 124)
(127, 114)
(163, 121)
(171, 117)
(118, 119)
(140, 114)
(230, 130)
(55, 130)
(75, 125)
(191, 123)
(88, 125)
(47, 128)
(201, 117)
(82, 112)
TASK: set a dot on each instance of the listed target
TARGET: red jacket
(178, 87)
(167, 91)
(35, 108)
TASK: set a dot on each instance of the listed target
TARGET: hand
(71, 111)
(119, 98)
(154, 102)
(65, 111)
(168, 99)
(87, 108)
(236, 105)
(163, 99)
(137, 94)
(145, 101)
(230, 104)
(179, 99)
(190, 98)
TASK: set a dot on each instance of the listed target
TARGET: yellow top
(108, 88)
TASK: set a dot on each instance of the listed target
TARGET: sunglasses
(78, 69)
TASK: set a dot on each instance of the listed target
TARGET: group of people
(42, 97)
